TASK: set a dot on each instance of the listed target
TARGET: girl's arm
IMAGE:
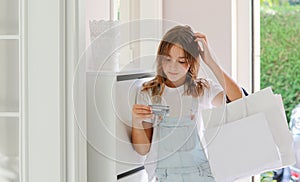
(141, 134)
(233, 91)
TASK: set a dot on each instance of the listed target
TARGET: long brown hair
(184, 37)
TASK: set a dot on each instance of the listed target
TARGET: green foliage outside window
(280, 53)
(273, 3)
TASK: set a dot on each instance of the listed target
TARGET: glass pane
(9, 149)
(9, 16)
(9, 75)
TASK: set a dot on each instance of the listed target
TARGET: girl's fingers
(140, 106)
(200, 35)
(202, 44)
(201, 40)
(142, 111)
(144, 116)
(139, 109)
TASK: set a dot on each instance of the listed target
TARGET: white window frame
(246, 41)
(246, 49)
(76, 144)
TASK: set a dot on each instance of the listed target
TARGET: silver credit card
(160, 109)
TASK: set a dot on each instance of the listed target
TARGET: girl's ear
(189, 69)
(189, 66)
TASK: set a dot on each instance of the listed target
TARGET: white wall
(212, 17)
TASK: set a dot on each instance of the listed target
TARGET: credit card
(160, 109)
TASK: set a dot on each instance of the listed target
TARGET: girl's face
(175, 66)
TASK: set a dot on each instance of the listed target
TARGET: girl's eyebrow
(180, 57)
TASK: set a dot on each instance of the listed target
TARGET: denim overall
(180, 153)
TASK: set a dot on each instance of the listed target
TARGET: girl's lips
(173, 73)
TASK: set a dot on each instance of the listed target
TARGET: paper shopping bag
(241, 148)
(272, 105)
(262, 102)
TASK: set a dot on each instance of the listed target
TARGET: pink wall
(212, 17)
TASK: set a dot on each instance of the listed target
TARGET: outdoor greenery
(272, 3)
(280, 50)
(280, 54)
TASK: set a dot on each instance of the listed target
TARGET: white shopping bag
(247, 137)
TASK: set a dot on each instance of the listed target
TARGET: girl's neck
(174, 84)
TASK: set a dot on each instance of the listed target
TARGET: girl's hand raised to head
(140, 113)
(204, 49)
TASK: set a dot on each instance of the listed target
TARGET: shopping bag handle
(245, 92)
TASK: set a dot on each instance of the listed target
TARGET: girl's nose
(173, 62)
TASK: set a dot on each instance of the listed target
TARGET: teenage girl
(174, 151)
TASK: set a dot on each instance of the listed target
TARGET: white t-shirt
(180, 106)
